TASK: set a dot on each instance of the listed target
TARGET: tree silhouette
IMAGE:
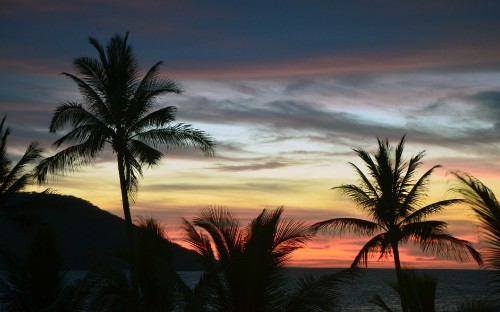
(14, 178)
(392, 196)
(35, 283)
(487, 210)
(417, 289)
(245, 267)
(152, 285)
(118, 110)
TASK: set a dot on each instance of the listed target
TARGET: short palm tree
(392, 196)
(36, 283)
(118, 110)
(487, 210)
(154, 285)
(15, 178)
(417, 289)
(245, 267)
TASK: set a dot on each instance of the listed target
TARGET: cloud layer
(286, 88)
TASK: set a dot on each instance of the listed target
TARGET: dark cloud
(487, 105)
(208, 36)
(283, 114)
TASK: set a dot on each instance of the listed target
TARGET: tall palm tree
(14, 178)
(392, 196)
(245, 267)
(487, 210)
(118, 110)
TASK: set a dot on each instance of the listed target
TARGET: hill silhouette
(87, 234)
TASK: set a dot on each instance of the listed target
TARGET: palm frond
(486, 208)
(69, 159)
(213, 282)
(429, 210)
(179, 136)
(378, 301)
(359, 196)
(414, 197)
(367, 187)
(290, 235)
(200, 243)
(372, 167)
(150, 87)
(74, 115)
(93, 84)
(16, 178)
(86, 133)
(224, 230)
(100, 51)
(448, 246)
(133, 170)
(350, 225)
(484, 204)
(417, 291)
(376, 243)
(318, 294)
(155, 119)
(144, 153)
(5, 162)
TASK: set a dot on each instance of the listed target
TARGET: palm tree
(118, 110)
(15, 178)
(392, 197)
(153, 284)
(487, 210)
(37, 282)
(245, 268)
(417, 289)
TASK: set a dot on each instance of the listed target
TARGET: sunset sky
(287, 89)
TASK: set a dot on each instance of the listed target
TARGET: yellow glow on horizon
(187, 186)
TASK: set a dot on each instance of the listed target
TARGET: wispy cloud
(251, 167)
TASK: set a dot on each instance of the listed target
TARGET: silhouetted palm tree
(36, 283)
(14, 178)
(487, 210)
(118, 110)
(392, 197)
(156, 285)
(245, 268)
(418, 291)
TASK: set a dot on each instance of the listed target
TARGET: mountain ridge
(86, 234)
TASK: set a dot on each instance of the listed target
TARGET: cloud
(251, 167)
(254, 186)
(281, 115)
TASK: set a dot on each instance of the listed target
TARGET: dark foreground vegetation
(244, 265)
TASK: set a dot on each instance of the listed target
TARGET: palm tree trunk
(399, 273)
(125, 202)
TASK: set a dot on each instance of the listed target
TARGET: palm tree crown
(252, 260)
(245, 267)
(118, 110)
(487, 210)
(392, 196)
(14, 178)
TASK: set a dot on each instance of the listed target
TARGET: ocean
(453, 286)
